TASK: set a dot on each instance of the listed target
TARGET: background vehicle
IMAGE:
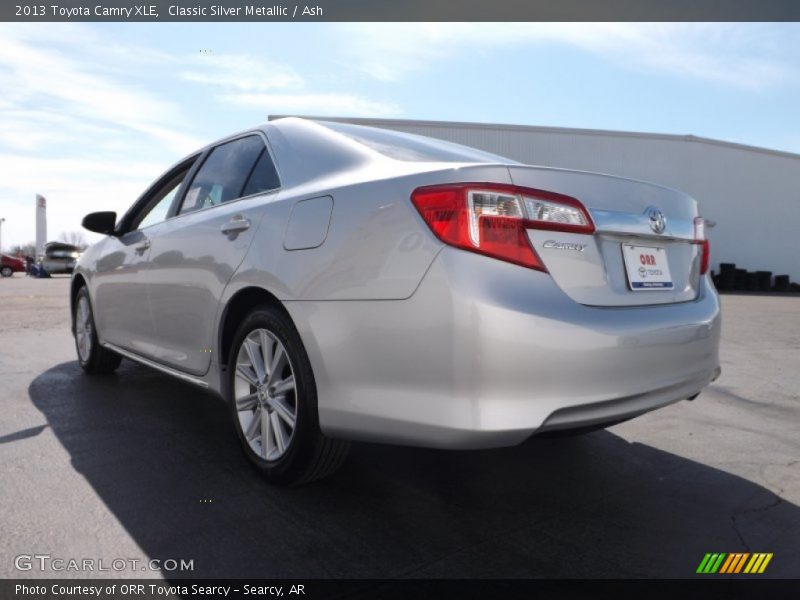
(60, 257)
(10, 265)
(336, 282)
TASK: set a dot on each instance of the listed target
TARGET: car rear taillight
(701, 239)
(491, 219)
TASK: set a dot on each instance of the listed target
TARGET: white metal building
(752, 193)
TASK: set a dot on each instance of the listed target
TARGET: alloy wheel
(265, 394)
(83, 328)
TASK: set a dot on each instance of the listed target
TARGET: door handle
(236, 225)
(140, 248)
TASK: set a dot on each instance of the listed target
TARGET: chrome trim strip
(158, 367)
(615, 222)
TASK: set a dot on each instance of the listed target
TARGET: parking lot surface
(139, 466)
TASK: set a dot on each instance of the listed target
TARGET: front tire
(93, 358)
(6, 271)
(273, 399)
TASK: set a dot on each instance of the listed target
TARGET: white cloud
(726, 53)
(311, 103)
(256, 83)
(242, 72)
(73, 187)
(77, 127)
(83, 123)
(32, 130)
(82, 117)
(35, 74)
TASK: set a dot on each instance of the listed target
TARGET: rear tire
(273, 400)
(6, 271)
(93, 358)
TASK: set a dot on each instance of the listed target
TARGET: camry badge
(564, 246)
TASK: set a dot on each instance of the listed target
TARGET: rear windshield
(410, 147)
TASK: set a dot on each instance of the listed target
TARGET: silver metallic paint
(483, 353)
(308, 223)
(412, 341)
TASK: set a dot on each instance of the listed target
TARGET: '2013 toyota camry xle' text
(335, 282)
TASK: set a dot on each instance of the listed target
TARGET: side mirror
(100, 222)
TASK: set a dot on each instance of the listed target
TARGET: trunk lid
(592, 268)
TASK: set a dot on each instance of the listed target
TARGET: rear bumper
(486, 354)
(612, 411)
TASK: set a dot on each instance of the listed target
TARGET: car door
(195, 253)
(122, 305)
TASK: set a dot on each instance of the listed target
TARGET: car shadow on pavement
(163, 456)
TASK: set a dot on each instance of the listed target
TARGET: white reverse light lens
(699, 228)
(489, 204)
(552, 212)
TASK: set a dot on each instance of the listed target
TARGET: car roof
(306, 150)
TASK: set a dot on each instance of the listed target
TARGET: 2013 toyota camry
(335, 282)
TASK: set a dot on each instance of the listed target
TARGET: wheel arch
(237, 308)
(78, 281)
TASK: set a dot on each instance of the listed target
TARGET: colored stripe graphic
(762, 564)
(755, 562)
(718, 563)
(730, 564)
(734, 563)
(711, 562)
(740, 563)
(703, 563)
(727, 564)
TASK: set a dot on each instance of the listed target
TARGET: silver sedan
(334, 282)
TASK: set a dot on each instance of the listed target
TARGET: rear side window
(264, 176)
(223, 175)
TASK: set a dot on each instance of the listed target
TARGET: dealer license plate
(647, 268)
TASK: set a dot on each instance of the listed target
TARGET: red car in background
(11, 265)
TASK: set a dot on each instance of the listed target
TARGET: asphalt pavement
(138, 466)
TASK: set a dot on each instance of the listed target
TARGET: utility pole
(2, 220)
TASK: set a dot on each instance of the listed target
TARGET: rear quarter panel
(377, 246)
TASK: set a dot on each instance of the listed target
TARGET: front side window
(158, 207)
(224, 174)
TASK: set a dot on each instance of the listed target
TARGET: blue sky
(91, 113)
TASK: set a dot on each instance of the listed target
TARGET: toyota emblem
(658, 222)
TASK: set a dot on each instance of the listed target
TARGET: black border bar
(705, 587)
(398, 10)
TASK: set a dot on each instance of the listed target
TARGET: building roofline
(544, 129)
